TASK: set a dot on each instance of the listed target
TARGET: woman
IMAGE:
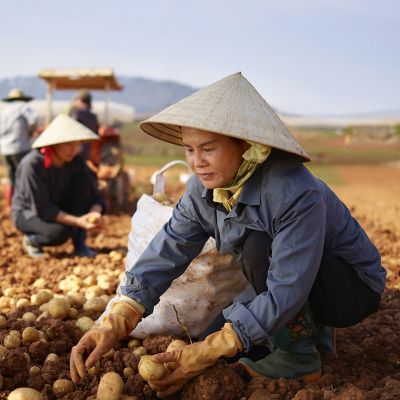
(56, 195)
(311, 265)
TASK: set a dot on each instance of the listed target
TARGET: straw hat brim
(64, 129)
(231, 107)
(21, 98)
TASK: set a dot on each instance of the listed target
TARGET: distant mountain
(147, 96)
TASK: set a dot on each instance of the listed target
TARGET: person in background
(17, 123)
(56, 195)
(311, 265)
(82, 112)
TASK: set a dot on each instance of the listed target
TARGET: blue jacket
(302, 216)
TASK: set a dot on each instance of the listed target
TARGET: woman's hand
(193, 359)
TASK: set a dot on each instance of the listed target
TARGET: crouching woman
(56, 195)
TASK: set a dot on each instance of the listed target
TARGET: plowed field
(368, 363)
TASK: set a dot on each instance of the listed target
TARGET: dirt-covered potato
(34, 370)
(134, 343)
(139, 351)
(62, 387)
(150, 370)
(58, 308)
(24, 393)
(84, 323)
(22, 303)
(3, 321)
(174, 345)
(12, 341)
(30, 334)
(110, 387)
(95, 304)
(29, 317)
(41, 297)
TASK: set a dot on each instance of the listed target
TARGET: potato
(22, 303)
(12, 341)
(34, 370)
(139, 351)
(10, 291)
(5, 302)
(39, 283)
(128, 372)
(30, 334)
(160, 196)
(132, 344)
(174, 345)
(3, 321)
(84, 323)
(90, 280)
(41, 297)
(24, 393)
(53, 357)
(2, 349)
(150, 370)
(109, 354)
(110, 387)
(93, 219)
(29, 317)
(62, 387)
(58, 308)
(95, 304)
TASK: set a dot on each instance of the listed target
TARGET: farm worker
(82, 112)
(56, 196)
(17, 123)
(310, 263)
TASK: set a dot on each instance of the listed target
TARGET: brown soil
(368, 363)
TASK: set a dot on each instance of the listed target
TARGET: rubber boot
(325, 339)
(8, 195)
(295, 355)
(80, 248)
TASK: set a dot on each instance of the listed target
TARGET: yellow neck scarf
(252, 157)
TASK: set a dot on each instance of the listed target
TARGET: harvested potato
(160, 196)
(62, 387)
(95, 304)
(10, 292)
(58, 308)
(3, 321)
(41, 297)
(84, 323)
(29, 317)
(139, 351)
(30, 334)
(128, 371)
(22, 303)
(5, 302)
(93, 219)
(12, 341)
(53, 358)
(132, 344)
(110, 387)
(109, 354)
(174, 345)
(90, 280)
(24, 393)
(34, 370)
(150, 370)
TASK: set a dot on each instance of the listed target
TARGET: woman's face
(65, 152)
(214, 158)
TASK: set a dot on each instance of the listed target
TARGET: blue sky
(305, 56)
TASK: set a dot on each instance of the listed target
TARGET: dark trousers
(78, 200)
(338, 297)
(12, 161)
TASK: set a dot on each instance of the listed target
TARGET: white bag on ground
(207, 286)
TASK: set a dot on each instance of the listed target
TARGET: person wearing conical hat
(311, 265)
(17, 123)
(56, 195)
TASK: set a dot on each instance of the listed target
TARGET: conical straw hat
(230, 106)
(63, 129)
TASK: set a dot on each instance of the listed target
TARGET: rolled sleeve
(296, 256)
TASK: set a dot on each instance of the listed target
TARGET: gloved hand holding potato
(123, 317)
